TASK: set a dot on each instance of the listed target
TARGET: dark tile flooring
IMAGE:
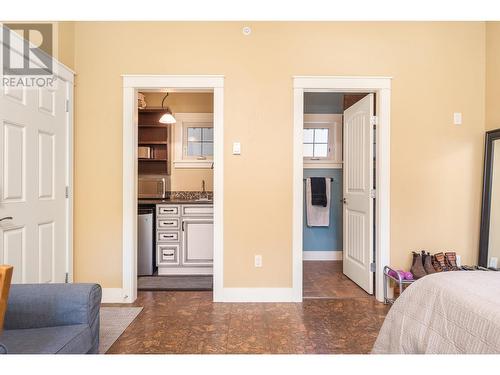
(189, 322)
(325, 280)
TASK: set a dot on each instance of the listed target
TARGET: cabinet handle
(183, 226)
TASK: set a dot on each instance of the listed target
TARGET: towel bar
(331, 179)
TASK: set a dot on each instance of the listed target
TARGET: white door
(34, 163)
(197, 241)
(358, 183)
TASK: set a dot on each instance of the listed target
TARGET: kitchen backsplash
(189, 195)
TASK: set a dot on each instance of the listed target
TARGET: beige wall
(186, 179)
(437, 69)
(492, 75)
(65, 42)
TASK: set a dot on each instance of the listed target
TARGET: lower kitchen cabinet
(197, 241)
(184, 239)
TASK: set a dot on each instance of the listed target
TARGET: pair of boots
(421, 265)
(426, 264)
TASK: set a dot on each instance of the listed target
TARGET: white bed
(448, 313)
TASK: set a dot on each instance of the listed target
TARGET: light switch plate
(457, 118)
(236, 148)
(258, 261)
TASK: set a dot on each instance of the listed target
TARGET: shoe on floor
(451, 260)
(440, 258)
(417, 267)
(428, 267)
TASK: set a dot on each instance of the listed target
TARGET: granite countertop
(173, 201)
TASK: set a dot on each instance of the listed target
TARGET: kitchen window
(193, 138)
(198, 141)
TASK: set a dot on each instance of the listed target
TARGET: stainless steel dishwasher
(145, 224)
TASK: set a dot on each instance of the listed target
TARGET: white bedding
(447, 312)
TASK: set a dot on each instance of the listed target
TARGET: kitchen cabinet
(197, 241)
(184, 239)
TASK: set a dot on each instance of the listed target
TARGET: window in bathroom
(316, 143)
(322, 142)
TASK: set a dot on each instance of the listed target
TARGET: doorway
(338, 181)
(365, 210)
(196, 219)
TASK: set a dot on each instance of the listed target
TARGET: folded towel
(318, 191)
(317, 216)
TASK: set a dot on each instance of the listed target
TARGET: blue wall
(323, 102)
(326, 238)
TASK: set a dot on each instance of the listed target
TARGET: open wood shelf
(153, 134)
(151, 109)
(152, 143)
(159, 126)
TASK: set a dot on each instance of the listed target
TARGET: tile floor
(325, 280)
(190, 323)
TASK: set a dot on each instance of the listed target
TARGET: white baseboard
(257, 295)
(322, 255)
(112, 295)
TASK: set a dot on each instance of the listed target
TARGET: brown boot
(417, 268)
(451, 261)
(436, 265)
(428, 267)
(441, 260)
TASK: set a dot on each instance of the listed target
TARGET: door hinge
(66, 191)
(372, 267)
(66, 278)
(373, 120)
(67, 105)
(373, 193)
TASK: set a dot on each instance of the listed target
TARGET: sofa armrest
(51, 305)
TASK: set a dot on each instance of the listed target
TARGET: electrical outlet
(493, 262)
(258, 261)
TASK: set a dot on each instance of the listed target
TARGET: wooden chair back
(5, 279)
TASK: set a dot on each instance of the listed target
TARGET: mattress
(445, 313)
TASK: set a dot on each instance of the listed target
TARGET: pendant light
(167, 117)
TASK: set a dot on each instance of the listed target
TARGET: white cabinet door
(34, 172)
(358, 182)
(197, 241)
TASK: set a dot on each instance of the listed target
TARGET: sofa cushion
(72, 339)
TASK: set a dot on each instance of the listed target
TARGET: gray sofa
(52, 319)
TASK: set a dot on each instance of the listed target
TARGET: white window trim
(180, 161)
(334, 123)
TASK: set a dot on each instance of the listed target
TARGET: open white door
(35, 165)
(358, 182)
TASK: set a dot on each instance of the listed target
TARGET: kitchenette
(175, 198)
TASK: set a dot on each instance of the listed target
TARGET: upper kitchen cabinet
(153, 142)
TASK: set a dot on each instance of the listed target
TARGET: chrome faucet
(204, 191)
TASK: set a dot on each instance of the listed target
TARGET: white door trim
(382, 87)
(131, 84)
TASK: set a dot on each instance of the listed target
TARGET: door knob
(7, 218)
